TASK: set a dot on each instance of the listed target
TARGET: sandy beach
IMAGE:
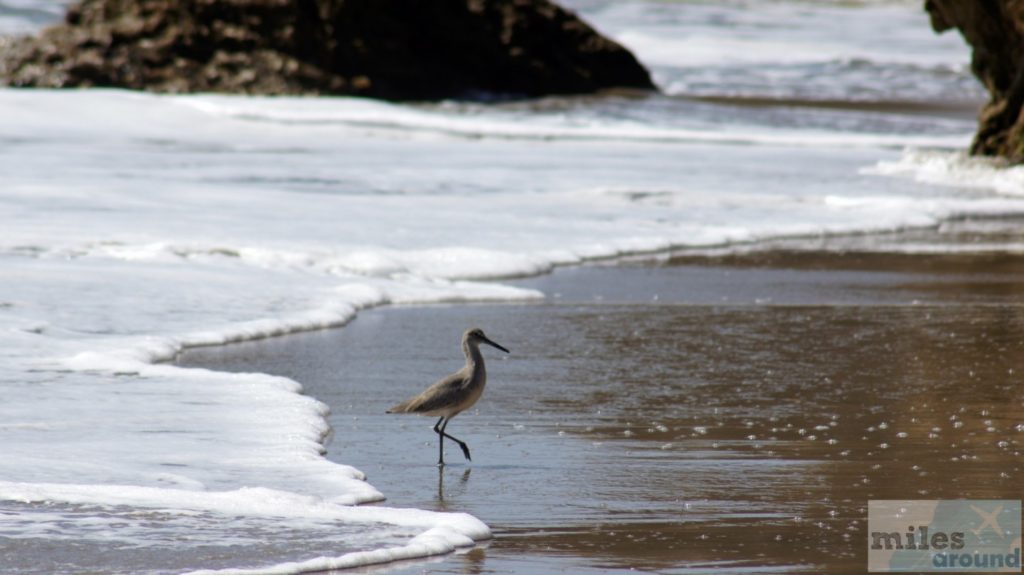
(701, 414)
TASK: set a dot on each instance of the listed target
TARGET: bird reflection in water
(441, 502)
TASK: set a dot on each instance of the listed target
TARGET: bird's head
(476, 336)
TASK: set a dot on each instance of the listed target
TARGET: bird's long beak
(491, 343)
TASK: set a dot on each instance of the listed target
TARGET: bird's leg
(462, 444)
(440, 441)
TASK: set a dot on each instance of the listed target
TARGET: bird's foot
(465, 451)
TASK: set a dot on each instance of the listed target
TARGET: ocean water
(136, 225)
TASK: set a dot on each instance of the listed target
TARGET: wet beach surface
(708, 413)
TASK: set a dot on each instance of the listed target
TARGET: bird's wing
(444, 393)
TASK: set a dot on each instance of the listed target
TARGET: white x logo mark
(990, 520)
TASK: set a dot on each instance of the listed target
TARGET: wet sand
(708, 413)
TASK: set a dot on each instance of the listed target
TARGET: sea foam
(955, 168)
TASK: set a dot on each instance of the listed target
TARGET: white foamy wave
(714, 33)
(450, 263)
(390, 118)
(406, 533)
(955, 169)
(435, 541)
(706, 49)
(849, 51)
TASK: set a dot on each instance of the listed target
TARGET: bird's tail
(400, 408)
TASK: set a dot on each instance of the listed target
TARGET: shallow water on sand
(713, 415)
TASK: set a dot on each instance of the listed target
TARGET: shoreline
(458, 480)
(824, 245)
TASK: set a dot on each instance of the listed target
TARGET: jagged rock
(995, 31)
(392, 49)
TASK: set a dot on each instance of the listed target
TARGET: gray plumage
(454, 393)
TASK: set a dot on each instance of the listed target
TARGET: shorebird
(455, 393)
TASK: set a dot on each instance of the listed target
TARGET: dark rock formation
(392, 49)
(995, 30)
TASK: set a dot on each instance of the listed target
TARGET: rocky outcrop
(995, 30)
(391, 49)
